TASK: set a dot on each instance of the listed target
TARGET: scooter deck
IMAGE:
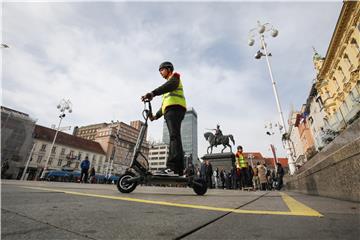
(167, 179)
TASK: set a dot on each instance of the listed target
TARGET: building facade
(315, 117)
(295, 140)
(188, 135)
(305, 134)
(338, 81)
(118, 140)
(16, 141)
(67, 153)
(158, 155)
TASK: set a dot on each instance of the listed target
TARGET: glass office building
(188, 134)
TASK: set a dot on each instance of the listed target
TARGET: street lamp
(63, 106)
(260, 32)
(270, 128)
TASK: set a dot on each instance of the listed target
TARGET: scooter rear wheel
(200, 190)
(124, 186)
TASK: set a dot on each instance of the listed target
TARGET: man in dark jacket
(208, 173)
(190, 170)
(173, 108)
(85, 165)
(279, 176)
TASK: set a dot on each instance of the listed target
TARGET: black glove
(152, 118)
(149, 96)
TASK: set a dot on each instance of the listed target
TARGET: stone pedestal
(220, 160)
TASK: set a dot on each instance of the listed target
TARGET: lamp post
(27, 163)
(63, 106)
(271, 133)
(260, 32)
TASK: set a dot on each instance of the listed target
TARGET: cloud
(104, 56)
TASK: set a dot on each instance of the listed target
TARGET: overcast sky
(103, 56)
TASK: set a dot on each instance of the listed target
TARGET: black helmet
(167, 65)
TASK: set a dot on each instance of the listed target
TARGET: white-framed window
(50, 161)
(345, 106)
(62, 151)
(39, 158)
(342, 74)
(53, 151)
(43, 147)
(336, 83)
(355, 45)
(59, 162)
(327, 94)
(347, 60)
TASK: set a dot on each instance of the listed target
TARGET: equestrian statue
(218, 139)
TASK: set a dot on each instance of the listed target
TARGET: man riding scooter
(173, 108)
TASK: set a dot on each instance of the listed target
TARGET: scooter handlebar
(147, 109)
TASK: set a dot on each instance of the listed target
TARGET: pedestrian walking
(233, 178)
(208, 173)
(243, 165)
(215, 178)
(222, 178)
(256, 180)
(190, 170)
(262, 176)
(250, 175)
(92, 175)
(85, 164)
(279, 176)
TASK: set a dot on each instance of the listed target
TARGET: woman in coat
(262, 175)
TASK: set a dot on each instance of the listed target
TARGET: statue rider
(218, 134)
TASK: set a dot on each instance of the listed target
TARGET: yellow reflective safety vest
(175, 97)
(241, 161)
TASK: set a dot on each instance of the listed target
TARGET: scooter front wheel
(123, 185)
(199, 186)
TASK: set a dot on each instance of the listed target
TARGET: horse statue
(224, 140)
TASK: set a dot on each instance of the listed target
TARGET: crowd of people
(241, 176)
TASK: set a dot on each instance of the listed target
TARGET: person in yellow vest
(173, 108)
(242, 164)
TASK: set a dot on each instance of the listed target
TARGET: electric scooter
(137, 173)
